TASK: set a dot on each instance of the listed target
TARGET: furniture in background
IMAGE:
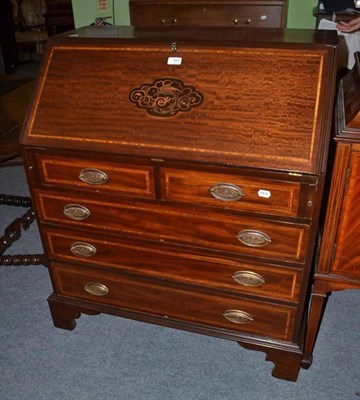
(336, 11)
(30, 29)
(242, 13)
(338, 265)
(205, 219)
(59, 16)
(8, 50)
(15, 95)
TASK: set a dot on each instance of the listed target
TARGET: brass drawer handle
(235, 21)
(226, 192)
(248, 278)
(247, 21)
(83, 249)
(162, 21)
(253, 238)
(96, 289)
(76, 212)
(174, 21)
(238, 317)
(93, 176)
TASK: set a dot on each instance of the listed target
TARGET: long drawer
(166, 263)
(217, 231)
(169, 302)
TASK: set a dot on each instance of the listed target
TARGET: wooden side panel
(215, 107)
(334, 207)
(347, 258)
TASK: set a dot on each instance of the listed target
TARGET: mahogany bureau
(177, 176)
(240, 13)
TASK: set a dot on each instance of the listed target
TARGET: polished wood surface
(191, 226)
(196, 205)
(217, 272)
(269, 108)
(338, 265)
(239, 13)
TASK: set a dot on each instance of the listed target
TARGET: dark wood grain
(172, 224)
(125, 180)
(270, 122)
(164, 262)
(347, 257)
(259, 14)
(170, 302)
(246, 107)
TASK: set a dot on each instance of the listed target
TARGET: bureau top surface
(248, 97)
(217, 36)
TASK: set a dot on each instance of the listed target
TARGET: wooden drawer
(216, 230)
(166, 263)
(259, 16)
(97, 176)
(169, 302)
(243, 193)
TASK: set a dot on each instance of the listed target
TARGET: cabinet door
(347, 258)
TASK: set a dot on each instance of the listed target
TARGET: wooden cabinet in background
(338, 266)
(242, 13)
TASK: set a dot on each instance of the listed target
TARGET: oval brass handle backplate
(248, 278)
(238, 317)
(83, 249)
(253, 238)
(93, 176)
(76, 212)
(96, 289)
(226, 192)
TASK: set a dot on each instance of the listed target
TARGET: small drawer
(236, 192)
(206, 15)
(97, 176)
(167, 223)
(166, 263)
(164, 301)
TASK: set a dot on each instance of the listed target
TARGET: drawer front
(216, 231)
(231, 191)
(165, 263)
(207, 15)
(169, 302)
(97, 176)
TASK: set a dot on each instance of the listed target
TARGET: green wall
(300, 12)
(85, 12)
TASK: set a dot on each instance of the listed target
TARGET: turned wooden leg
(317, 306)
(286, 363)
(64, 314)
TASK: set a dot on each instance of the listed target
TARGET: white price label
(174, 61)
(264, 193)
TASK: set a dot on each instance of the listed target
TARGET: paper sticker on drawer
(174, 61)
(264, 193)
